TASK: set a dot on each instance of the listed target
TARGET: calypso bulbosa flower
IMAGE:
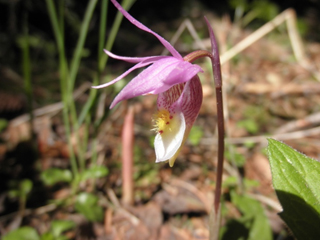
(174, 79)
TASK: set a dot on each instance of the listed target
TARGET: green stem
(102, 60)
(80, 44)
(26, 69)
(102, 33)
(84, 143)
(63, 69)
(126, 4)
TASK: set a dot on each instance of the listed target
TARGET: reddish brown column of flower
(127, 157)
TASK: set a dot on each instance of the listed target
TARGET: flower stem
(216, 66)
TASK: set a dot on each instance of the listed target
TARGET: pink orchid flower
(179, 91)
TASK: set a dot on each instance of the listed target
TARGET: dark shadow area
(301, 217)
(235, 230)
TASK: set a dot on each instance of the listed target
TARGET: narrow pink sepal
(138, 24)
(147, 61)
(132, 59)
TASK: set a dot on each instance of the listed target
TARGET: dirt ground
(268, 93)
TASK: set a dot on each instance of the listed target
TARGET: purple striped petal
(191, 99)
(183, 102)
(138, 24)
(186, 97)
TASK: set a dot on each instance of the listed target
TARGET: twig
(263, 138)
(191, 188)
(185, 24)
(285, 89)
(133, 219)
(270, 202)
(37, 211)
(287, 15)
(300, 123)
(113, 198)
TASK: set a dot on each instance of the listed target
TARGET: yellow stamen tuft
(162, 121)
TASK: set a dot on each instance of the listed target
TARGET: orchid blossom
(174, 79)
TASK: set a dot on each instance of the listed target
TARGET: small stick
(263, 138)
(287, 15)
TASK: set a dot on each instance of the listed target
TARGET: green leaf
(252, 225)
(52, 176)
(3, 124)
(47, 236)
(195, 135)
(296, 180)
(26, 186)
(59, 226)
(20, 188)
(14, 193)
(23, 233)
(87, 204)
(235, 157)
(250, 125)
(94, 172)
(253, 217)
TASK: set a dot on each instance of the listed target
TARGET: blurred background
(62, 177)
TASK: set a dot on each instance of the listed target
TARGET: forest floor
(267, 94)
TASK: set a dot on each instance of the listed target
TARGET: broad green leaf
(59, 226)
(296, 179)
(23, 233)
(87, 204)
(52, 176)
(94, 172)
(47, 236)
(253, 217)
(252, 225)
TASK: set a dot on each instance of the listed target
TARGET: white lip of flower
(170, 133)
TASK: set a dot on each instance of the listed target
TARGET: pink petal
(138, 24)
(182, 73)
(145, 62)
(131, 59)
(153, 80)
